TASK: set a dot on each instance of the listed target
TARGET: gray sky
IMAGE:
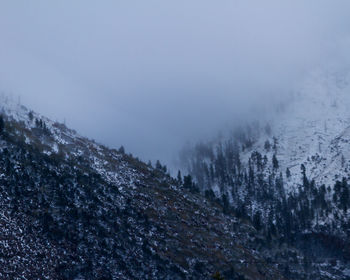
(152, 74)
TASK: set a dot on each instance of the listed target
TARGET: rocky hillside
(73, 209)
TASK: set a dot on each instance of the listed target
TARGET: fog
(151, 75)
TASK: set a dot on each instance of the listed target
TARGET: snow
(55, 148)
(314, 130)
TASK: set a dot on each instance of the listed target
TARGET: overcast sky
(152, 74)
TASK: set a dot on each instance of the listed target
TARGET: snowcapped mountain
(313, 129)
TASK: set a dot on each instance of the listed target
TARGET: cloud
(151, 74)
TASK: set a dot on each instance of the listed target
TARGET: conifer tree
(179, 177)
(344, 196)
(121, 150)
(188, 184)
(275, 162)
(267, 145)
(158, 165)
(288, 174)
(257, 221)
(30, 115)
(2, 124)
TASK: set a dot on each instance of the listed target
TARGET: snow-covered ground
(314, 130)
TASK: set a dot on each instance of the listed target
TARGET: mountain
(289, 174)
(74, 209)
(314, 130)
(267, 200)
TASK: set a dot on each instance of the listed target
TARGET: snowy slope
(246, 169)
(314, 130)
(67, 143)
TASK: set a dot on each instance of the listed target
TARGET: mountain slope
(289, 175)
(314, 129)
(74, 209)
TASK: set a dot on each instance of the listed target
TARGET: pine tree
(257, 221)
(225, 203)
(342, 161)
(2, 124)
(279, 183)
(179, 177)
(121, 150)
(275, 162)
(275, 144)
(305, 180)
(344, 196)
(337, 191)
(288, 174)
(158, 165)
(30, 115)
(188, 184)
(267, 145)
(209, 194)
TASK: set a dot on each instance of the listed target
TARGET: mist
(151, 75)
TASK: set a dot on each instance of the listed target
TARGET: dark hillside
(73, 209)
